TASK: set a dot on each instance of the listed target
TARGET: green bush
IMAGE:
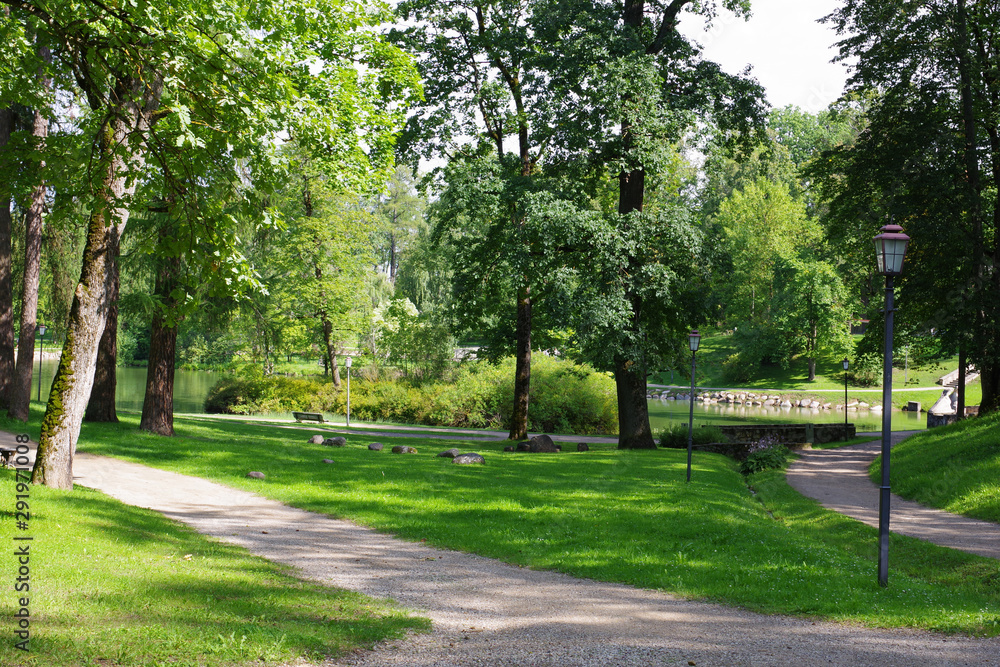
(565, 397)
(675, 436)
(765, 454)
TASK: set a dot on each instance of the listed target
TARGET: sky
(789, 51)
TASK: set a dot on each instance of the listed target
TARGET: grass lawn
(955, 468)
(112, 584)
(624, 516)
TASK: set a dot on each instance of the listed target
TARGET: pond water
(662, 413)
(191, 387)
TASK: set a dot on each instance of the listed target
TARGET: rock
(542, 444)
(327, 460)
(804, 403)
(404, 449)
(335, 442)
(814, 404)
(316, 440)
(582, 447)
(786, 403)
(509, 448)
(255, 475)
(876, 408)
(522, 447)
(449, 453)
(466, 459)
(376, 447)
(827, 406)
(863, 406)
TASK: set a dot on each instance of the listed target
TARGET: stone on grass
(542, 444)
(404, 449)
(335, 442)
(316, 440)
(582, 447)
(327, 460)
(375, 447)
(449, 453)
(255, 475)
(522, 447)
(509, 448)
(465, 459)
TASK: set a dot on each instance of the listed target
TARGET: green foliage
(866, 369)
(675, 436)
(765, 454)
(565, 397)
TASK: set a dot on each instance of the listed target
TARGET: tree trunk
(813, 341)
(120, 161)
(329, 350)
(6, 279)
(633, 411)
(522, 370)
(101, 407)
(20, 391)
(158, 404)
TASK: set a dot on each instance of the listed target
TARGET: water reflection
(663, 412)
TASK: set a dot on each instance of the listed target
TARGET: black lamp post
(348, 392)
(693, 339)
(41, 352)
(890, 249)
(846, 366)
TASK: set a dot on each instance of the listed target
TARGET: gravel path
(489, 613)
(838, 479)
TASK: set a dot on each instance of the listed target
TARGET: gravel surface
(486, 612)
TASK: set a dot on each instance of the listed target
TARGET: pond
(663, 412)
(190, 387)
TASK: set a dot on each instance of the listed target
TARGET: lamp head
(846, 363)
(890, 250)
(348, 362)
(693, 339)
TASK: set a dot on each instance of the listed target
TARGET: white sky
(789, 51)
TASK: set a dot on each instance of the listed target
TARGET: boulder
(582, 447)
(404, 449)
(786, 403)
(316, 440)
(466, 459)
(522, 447)
(376, 447)
(509, 448)
(449, 453)
(255, 475)
(814, 404)
(542, 444)
(335, 442)
(327, 460)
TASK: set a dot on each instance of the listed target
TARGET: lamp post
(846, 366)
(41, 352)
(890, 249)
(348, 392)
(693, 339)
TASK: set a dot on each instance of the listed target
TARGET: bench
(309, 417)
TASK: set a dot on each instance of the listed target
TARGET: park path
(838, 479)
(486, 612)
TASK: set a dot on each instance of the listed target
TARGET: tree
(399, 212)
(6, 265)
(624, 87)
(929, 160)
(141, 65)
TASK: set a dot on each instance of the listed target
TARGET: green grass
(623, 516)
(118, 585)
(955, 468)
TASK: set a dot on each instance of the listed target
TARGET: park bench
(309, 417)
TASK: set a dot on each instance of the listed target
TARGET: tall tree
(930, 160)
(142, 65)
(6, 266)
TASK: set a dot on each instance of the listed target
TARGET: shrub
(675, 436)
(765, 454)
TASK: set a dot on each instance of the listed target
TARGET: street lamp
(41, 351)
(890, 249)
(693, 339)
(348, 392)
(846, 366)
